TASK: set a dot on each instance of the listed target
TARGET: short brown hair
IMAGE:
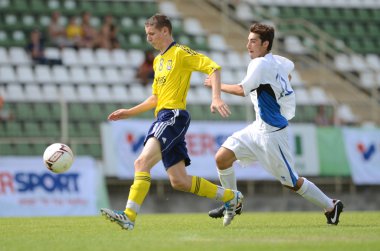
(266, 33)
(159, 21)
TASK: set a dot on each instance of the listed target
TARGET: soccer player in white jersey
(266, 140)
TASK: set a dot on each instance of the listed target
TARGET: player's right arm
(235, 89)
(146, 105)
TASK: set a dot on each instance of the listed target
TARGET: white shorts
(271, 149)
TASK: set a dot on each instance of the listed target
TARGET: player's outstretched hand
(207, 82)
(219, 105)
(118, 114)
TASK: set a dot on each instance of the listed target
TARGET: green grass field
(250, 231)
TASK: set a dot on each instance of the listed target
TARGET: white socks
(227, 178)
(313, 194)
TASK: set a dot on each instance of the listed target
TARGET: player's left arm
(146, 105)
(217, 103)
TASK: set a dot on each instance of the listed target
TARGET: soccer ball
(58, 157)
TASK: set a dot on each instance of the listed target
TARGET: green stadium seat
(20, 6)
(87, 129)
(348, 14)
(333, 14)
(7, 149)
(32, 129)
(42, 112)
(95, 150)
(96, 113)
(51, 129)
(38, 7)
(2, 130)
(288, 12)
(55, 113)
(363, 14)
(24, 111)
(86, 6)
(23, 149)
(77, 111)
(102, 8)
(5, 41)
(119, 9)
(73, 130)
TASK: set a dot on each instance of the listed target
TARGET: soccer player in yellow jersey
(166, 137)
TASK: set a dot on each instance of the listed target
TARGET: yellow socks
(203, 187)
(137, 194)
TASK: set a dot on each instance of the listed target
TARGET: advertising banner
(123, 142)
(363, 152)
(332, 153)
(28, 188)
(304, 142)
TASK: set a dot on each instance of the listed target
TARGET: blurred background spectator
(36, 49)
(108, 33)
(74, 32)
(89, 33)
(145, 71)
(57, 33)
(5, 114)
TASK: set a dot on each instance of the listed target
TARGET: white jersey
(272, 96)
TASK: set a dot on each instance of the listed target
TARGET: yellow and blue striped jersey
(172, 72)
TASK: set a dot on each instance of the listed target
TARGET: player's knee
(140, 164)
(222, 162)
(179, 184)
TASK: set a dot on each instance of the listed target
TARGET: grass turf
(251, 231)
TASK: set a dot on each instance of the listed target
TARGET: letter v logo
(366, 152)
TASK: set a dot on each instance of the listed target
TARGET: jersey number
(286, 90)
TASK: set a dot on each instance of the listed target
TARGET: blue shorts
(170, 128)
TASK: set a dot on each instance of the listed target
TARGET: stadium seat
(32, 129)
(49, 93)
(15, 92)
(128, 75)
(217, 42)
(18, 56)
(112, 76)
(192, 26)
(24, 112)
(42, 112)
(52, 53)
(318, 96)
(136, 57)
(33, 93)
(77, 111)
(138, 93)
(25, 74)
(302, 96)
(119, 58)
(373, 61)
(43, 74)
(68, 93)
(367, 79)
(86, 57)
(95, 75)
(103, 57)
(60, 74)
(7, 74)
(78, 75)
(69, 56)
(85, 93)
(103, 93)
(14, 129)
(120, 94)
(51, 129)
(4, 56)
(169, 9)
